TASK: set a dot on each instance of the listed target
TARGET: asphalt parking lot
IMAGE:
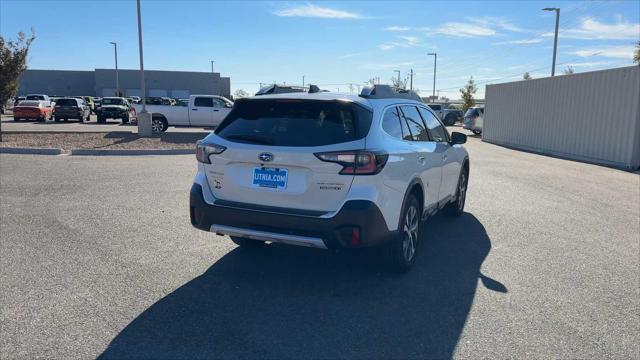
(98, 258)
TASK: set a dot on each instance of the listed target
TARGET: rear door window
(437, 132)
(203, 102)
(284, 122)
(414, 122)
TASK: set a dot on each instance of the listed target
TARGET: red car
(32, 109)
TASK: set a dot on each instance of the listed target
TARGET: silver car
(473, 120)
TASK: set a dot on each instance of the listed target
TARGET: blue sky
(331, 43)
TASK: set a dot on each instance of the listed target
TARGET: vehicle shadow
(287, 302)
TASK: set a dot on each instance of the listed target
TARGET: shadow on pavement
(287, 302)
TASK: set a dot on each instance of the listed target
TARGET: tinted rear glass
(295, 122)
(471, 112)
(112, 102)
(66, 102)
(35, 97)
(29, 103)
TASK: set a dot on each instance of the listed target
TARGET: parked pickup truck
(202, 110)
(449, 116)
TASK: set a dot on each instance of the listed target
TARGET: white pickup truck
(201, 111)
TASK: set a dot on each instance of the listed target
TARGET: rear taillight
(356, 162)
(204, 150)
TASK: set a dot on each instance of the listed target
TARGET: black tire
(125, 119)
(159, 124)
(101, 120)
(56, 119)
(16, 119)
(476, 132)
(65, 119)
(449, 120)
(41, 119)
(456, 208)
(401, 254)
(246, 243)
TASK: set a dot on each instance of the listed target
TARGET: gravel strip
(111, 140)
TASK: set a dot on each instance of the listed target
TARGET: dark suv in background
(71, 108)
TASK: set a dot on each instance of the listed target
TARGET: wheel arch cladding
(416, 189)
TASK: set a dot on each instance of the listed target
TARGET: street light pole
(115, 49)
(144, 118)
(212, 65)
(555, 38)
(435, 64)
(411, 81)
(302, 81)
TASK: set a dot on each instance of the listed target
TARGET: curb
(94, 152)
(30, 151)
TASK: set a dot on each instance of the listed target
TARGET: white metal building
(591, 116)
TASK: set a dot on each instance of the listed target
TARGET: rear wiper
(251, 139)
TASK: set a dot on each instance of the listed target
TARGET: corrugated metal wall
(593, 116)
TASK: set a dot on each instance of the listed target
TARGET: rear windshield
(29, 103)
(67, 102)
(35, 97)
(471, 112)
(112, 102)
(283, 122)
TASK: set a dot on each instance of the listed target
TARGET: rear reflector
(355, 236)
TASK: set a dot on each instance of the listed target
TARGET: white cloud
(515, 67)
(495, 22)
(592, 64)
(397, 28)
(618, 52)
(461, 30)
(314, 11)
(591, 29)
(518, 42)
(486, 69)
(411, 40)
(408, 41)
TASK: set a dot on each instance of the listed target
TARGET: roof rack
(388, 92)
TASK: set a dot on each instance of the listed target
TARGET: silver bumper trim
(269, 236)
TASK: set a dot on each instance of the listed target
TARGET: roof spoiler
(388, 92)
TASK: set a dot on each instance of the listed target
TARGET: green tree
(466, 93)
(13, 62)
(526, 76)
(636, 54)
(568, 70)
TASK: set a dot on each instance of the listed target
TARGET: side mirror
(458, 138)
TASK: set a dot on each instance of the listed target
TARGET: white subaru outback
(329, 171)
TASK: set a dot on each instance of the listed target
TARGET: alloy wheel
(462, 191)
(156, 125)
(410, 229)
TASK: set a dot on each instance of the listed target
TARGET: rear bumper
(332, 233)
(71, 114)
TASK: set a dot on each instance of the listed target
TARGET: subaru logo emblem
(265, 157)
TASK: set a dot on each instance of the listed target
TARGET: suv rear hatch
(273, 151)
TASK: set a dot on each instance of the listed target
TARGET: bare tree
(526, 76)
(239, 94)
(568, 70)
(399, 83)
(636, 54)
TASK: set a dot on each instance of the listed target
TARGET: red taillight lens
(356, 162)
(204, 150)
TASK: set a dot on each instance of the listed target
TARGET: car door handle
(444, 157)
(216, 110)
(194, 109)
(421, 159)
